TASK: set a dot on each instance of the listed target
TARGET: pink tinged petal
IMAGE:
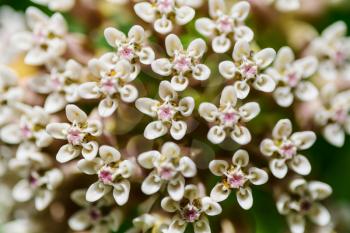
(107, 107)
(303, 140)
(187, 167)
(265, 57)
(216, 135)
(163, 26)
(121, 192)
(151, 184)
(242, 89)
(114, 36)
(201, 72)
(227, 69)
(75, 114)
(249, 111)
(178, 129)
(334, 134)
(176, 188)
(306, 91)
(264, 83)
(155, 130)
(43, 199)
(208, 111)
(278, 168)
(296, 223)
(90, 150)
(219, 193)
(145, 11)
(22, 191)
(96, 191)
(283, 96)
(184, 15)
(205, 26)
(79, 221)
(258, 176)
(319, 215)
(202, 226)
(67, 153)
(240, 11)
(282, 129)
(218, 167)
(268, 147)
(241, 135)
(245, 198)
(221, 44)
(319, 190)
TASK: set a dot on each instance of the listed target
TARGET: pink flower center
(105, 176)
(165, 6)
(108, 86)
(340, 116)
(182, 63)
(288, 150)
(74, 136)
(26, 132)
(165, 113)
(249, 70)
(55, 82)
(126, 53)
(292, 79)
(230, 118)
(236, 180)
(94, 214)
(225, 25)
(340, 58)
(190, 213)
(167, 172)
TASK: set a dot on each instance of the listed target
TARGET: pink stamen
(105, 176)
(26, 132)
(165, 113)
(166, 173)
(191, 214)
(94, 214)
(249, 70)
(225, 25)
(230, 118)
(74, 136)
(288, 150)
(236, 180)
(292, 79)
(126, 53)
(108, 86)
(165, 6)
(182, 64)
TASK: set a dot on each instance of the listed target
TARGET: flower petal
(121, 192)
(145, 11)
(75, 114)
(210, 207)
(178, 129)
(11, 134)
(264, 83)
(241, 135)
(90, 150)
(163, 25)
(197, 48)
(268, 147)
(147, 106)
(162, 66)
(282, 129)
(334, 134)
(186, 106)
(320, 215)
(187, 167)
(107, 107)
(265, 57)
(146, 159)
(219, 193)
(285, 57)
(306, 91)
(151, 184)
(208, 111)
(218, 167)
(146, 55)
(319, 190)
(58, 130)
(249, 111)
(96, 191)
(205, 26)
(296, 223)
(128, 93)
(240, 11)
(241, 50)
(303, 140)
(245, 198)
(173, 44)
(278, 168)
(221, 44)
(166, 91)
(179, 82)
(283, 96)
(307, 65)
(258, 176)
(216, 134)
(79, 221)
(228, 96)
(90, 167)
(227, 69)
(242, 89)
(240, 158)
(114, 36)
(43, 198)
(109, 154)
(54, 102)
(169, 205)
(22, 191)
(184, 15)
(155, 130)
(177, 225)
(202, 225)
(67, 153)
(176, 188)
(201, 72)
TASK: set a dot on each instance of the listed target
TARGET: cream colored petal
(145, 11)
(240, 11)
(109, 154)
(303, 140)
(284, 58)
(121, 192)
(227, 69)
(221, 44)
(240, 158)
(155, 130)
(334, 134)
(67, 153)
(216, 135)
(163, 26)
(220, 193)
(241, 135)
(176, 188)
(197, 48)
(178, 129)
(282, 129)
(218, 167)
(258, 176)
(186, 106)
(147, 106)
(241, 50)
(166, 91)
(75, 114)
(205, 26)
(184, 15)
(245, 198)
(301, 165)
(265, 57)
(169, 205)
(278, 168)
(208, 111)
(249, 111)
(114, 36)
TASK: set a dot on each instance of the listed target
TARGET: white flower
(291, 75)
(228, 119)
(183, 64)
(334, 117)
(287, 5)
(304, 201)
(168, 112)
(247, 69)
(132, 47)
(61, 85)
(282, 150)
(30, 128)
(150, 223)
(170, 168)
(80, 134)
(225, 26)
(10, 94)
(11, 22)
(164, 14)
(236, 176)
(46, 41)
(192, 208)
(57, 5)
(332, 49)
(112, 172)
(114, 78)
(98, 217)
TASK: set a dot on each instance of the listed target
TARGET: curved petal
(282, 129)
(128, 93)
(146, 159)
(241, 135)
(283, 96)
(241, 50)
(169, 205)
(163, 26)
(334, 134)
(240, 158)
(249, 111)
(114, 36)
(173, 44)
(208, 111)
(216, 7)
(67, 153)
(216, 134)
(162, 66)
(187, 167)
(197, 48)
(107, 107)
(240, 11)
(109, 154)
(319, 190)
(221, 44)
(137, 33)
(242, 89)
(176, 188)
(79, 221)
(210, 207)
(178, 129)
(146, 55)
(22, 191)
(307, 65)
(264, 83)
(151, 184)
(147, 106)
(227, 69)
(177, 225)
(121, 192)
(219, 193)
(89, 90)
(245, 198)
(166, 91)
(303, 140)
(184, 15)
(75, 114)
(228, 96)
(278, 168)
(306, 91)
(11, 134)
(96, 191)
(284, 57)
(268, 147)
(42, 199)
(145, 11)
(296, 223)
(265, 57)
(258, 176)
(243, 33)
(319, 215)
(58, 130)
(54, 102)
(90, 150)
(202, 225)
(205, 26)
(155, 130)
(201, 72)
(218, 167)
(90, 167)
(179, 82)
(186, 106)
